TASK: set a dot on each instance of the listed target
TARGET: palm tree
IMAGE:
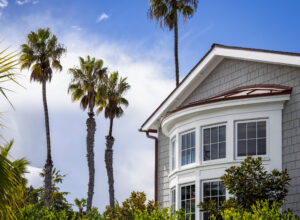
(8, 63)
(115, 89)
(42, 53)
(166, 12)
(12, 182)
(84, 87)
(80, 204)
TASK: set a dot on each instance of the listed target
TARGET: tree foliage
(12, 182)
(36, 197)
(8, 64)
(259, 210)
(249, 183)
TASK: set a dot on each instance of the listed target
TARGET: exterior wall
(230, 74)
(163, 169)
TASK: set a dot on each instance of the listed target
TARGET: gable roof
(206, 65)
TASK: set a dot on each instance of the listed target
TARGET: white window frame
(236, 137)
(202, 191)
(202, 143)
(179, 197)
(173, 154)
(180, 147)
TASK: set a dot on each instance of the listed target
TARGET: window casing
(251, 138)
(173, 154)
(214, 142)
(187, 148)
(213, 190)
(188, 200)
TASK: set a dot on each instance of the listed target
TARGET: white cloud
(33, 176)
(3, 3)
(77, 28)
(102, 17)
(22, 2)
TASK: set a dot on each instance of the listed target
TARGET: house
(235, 102)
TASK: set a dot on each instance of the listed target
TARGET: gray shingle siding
(163, 169)
(230, 74)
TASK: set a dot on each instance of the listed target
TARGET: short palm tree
(12, 182)
(80, 204)
(115, 89)
(84, 87)
(166, 12)
(42, 53)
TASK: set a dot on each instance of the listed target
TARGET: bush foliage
(249, 183)
(261, 210)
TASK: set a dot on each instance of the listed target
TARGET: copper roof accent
(252, 91)
(200, 61)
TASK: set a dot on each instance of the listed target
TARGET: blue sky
(129, 42)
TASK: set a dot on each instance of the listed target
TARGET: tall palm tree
(84, 87)
(42, 53)
(115, 89)
(166, 12)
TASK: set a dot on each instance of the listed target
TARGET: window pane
(206, 216)
(206, 136)
(193, 217)
(183, 204)
(188, 157)
(251, 130)
(214, 188)
(261, 129)
(193, 205)
(214, 151)
(193, 191)
(182, 193)
(221, 199)
(251, 147)
(222, 150)
(187, 192)
(242, 131)
(193, 139)
(192, 155)
(187, 207)
(188, 137)
(222, 133)
(206, 152)
(214, 135)
(183, 154)
(242, 148)
(206, 189)
(221, 189)
(261, 146)
(183, 142)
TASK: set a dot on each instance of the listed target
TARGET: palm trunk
(91, 129)
(109, 165)
(49, 163)
(176, 50)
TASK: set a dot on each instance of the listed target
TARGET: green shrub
(261, 211)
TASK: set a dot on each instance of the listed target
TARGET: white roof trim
(206, 66)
